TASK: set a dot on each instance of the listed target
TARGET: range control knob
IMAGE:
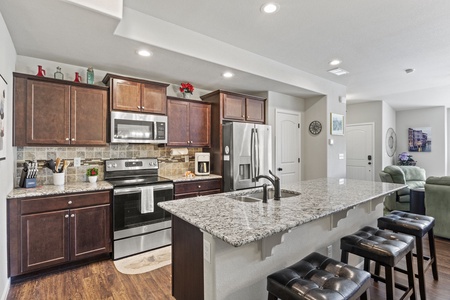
(114, 165)
(109, 166)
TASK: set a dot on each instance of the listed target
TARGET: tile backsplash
(95, 156)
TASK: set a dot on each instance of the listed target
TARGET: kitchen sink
(255, 197)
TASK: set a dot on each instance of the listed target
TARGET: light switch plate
(341, 155)
(77, 162)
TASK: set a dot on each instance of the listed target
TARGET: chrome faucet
(275, 182)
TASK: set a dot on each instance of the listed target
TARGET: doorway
(287, 146)
(360, 151)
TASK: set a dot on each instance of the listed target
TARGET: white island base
(239, 273)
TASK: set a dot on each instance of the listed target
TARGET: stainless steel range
(139, 224)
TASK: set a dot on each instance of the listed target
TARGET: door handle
(280, 169)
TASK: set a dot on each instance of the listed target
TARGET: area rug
(144, 262)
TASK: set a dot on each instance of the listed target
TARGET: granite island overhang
(243, 242)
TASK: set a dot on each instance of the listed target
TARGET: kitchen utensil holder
(58, 178)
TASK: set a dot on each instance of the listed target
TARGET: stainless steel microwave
(138, 128)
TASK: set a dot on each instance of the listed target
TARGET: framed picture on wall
(337, 124)
(419, 139)
(3, 122)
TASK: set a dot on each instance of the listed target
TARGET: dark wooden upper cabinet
(126, 95)
(189, 123)
(255, 111)
(132, 94)
(56, 112)
(48, 113)
(233, 107)
(88, 118)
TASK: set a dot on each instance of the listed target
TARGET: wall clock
(315, 127)
(391, 142)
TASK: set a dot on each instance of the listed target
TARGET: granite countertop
(239, 223)
(181, 178)
(68, 188)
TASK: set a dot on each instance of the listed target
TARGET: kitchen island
(224, 248)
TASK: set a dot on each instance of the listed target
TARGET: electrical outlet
(206, 251)
(330, 251)
(341, 155)
(77, 162)
(186, 158)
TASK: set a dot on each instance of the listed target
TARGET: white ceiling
(376, 40)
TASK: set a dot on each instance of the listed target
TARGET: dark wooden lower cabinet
(196, 188)
(187, 261)
(45, 232)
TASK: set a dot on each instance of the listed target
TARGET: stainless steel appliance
(201, 163)
(138, 128)
(247, 153)
(139, 224)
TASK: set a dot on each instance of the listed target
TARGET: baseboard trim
(6, 289)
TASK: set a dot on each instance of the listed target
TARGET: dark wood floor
(101, 280)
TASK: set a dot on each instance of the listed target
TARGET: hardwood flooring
(101, 280)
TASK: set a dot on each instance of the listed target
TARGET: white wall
(7, 62)
(389, 121)
(434, 162)
(314, 147)
(370, 112)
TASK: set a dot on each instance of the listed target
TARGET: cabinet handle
(139, 107)
(143, 107)
(66, 216)
(72, 215)
(73, 139)
(243, 116)
(191, 142)
(67, 139)
(188, 142)
(70, 202)
(199, 186)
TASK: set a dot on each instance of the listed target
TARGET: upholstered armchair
(437, 204)
(412, 176)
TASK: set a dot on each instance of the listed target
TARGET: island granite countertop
(239, 223)
(68, 188)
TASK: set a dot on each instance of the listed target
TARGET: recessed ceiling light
(338, 71)
(270, 8)
(144, 52)
(407, 71)
(227, 74)
(335, 62)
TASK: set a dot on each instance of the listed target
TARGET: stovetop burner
(132, 172)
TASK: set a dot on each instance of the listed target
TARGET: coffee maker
(201, 163)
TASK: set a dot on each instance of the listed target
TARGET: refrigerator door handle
(257, 156)
(252, 157)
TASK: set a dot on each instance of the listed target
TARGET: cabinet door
(48, 113)
(154, 99)
(88, 116)
(90, 232)
(126, 95)
(255, 110)
(200, 124)
(45, 240)
(233, 107)
(178, 123)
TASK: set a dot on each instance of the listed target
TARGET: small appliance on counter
(201, 163)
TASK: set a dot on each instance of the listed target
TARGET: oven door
(133, 207)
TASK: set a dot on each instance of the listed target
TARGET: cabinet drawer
(195, 186)
(50, 203)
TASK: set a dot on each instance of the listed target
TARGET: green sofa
(412, 176)
(437, 204)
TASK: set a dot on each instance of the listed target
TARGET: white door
(287, 149)
(360, 151)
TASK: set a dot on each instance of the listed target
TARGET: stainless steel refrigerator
(247, 153)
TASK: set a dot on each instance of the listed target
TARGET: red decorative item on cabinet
(77, 77)
(41, 72)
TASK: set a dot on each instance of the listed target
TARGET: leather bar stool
(418, 226)
(386, 248)
(318, 277)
